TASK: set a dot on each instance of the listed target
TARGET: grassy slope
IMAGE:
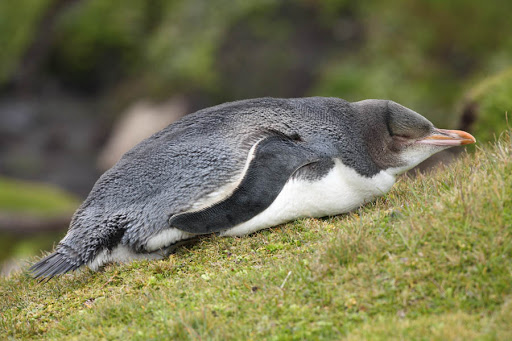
(432, 259)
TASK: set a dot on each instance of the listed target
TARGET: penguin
(240, 167)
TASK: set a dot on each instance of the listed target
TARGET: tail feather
(53, 265)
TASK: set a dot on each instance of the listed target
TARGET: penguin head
(398, 138)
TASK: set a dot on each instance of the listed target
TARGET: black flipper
(274, 161)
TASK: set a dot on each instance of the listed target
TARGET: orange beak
(443, 137)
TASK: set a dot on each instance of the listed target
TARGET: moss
(492, 105)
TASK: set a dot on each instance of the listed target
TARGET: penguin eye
(395, 134)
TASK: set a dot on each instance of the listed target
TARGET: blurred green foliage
(38, 201)
(18, 21)
(170, 44)
(181, 53)
(492, 101)
(419, 53)
(34, 199)
(20, 246)
(99, 39)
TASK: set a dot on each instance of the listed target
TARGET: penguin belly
(341, 190)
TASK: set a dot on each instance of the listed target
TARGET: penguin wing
(271, 162)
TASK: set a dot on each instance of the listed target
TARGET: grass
(430, 260)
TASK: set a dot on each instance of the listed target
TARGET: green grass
(431, 260)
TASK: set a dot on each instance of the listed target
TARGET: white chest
(340, 191)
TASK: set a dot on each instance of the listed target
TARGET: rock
(52, 138)
(140, 121)
(12, 266)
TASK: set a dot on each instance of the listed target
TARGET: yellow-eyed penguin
(240, 167)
